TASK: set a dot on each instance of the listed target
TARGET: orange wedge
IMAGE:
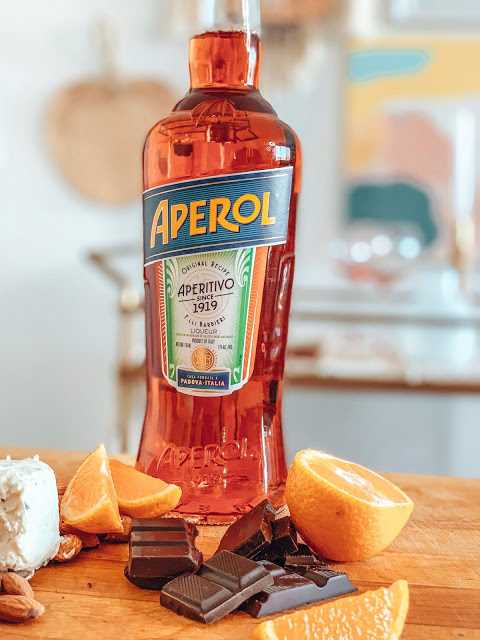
(376, 615)
(140, 495)
(90, 502)
(343, 511)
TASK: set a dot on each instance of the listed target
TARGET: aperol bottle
(221, 179)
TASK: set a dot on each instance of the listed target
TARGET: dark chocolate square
(191, 590)
(232, 571)
(221, 585)
(301, 560)
(251, 533)
(291, 590)
(284, 541)
(335, 583)
(160, 549)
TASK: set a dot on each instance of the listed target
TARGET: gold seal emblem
(203, 359)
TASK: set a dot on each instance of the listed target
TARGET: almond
(121, 537)
(19, 608)
(126, 524)
(70, 546)
(89, 540)
(15, 585)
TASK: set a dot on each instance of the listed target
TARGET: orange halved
(376, 615)
(140, 495)
(90, 502)
(342, 510)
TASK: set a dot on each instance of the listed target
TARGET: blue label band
(217, 213)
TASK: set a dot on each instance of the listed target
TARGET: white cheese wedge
(29, 520)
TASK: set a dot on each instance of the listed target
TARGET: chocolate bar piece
(335, 583)
(291, 590)
(303, 559)
(284, 541)
(159, 550)
(251, 533)
(284, 536)
(220, 586)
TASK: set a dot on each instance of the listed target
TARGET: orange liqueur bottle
(221, 180)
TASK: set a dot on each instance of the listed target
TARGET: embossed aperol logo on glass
(208, 239)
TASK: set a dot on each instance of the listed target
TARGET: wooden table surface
(438, 552)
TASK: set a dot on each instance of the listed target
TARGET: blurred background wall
(384, 365)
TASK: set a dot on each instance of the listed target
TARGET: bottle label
(208, 239)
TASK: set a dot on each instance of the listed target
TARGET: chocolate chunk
(284, 541)
(285, 535)
(251, 533)
(291, 590)
(302, 555)
(335, 583)
(220, 586)
(273, 569)
(159, 550)
(303, 559)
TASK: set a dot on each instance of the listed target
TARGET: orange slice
(376, 615)
(90, 502)
(343, 511)
(140, 495)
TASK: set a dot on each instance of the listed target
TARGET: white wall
(58, 316)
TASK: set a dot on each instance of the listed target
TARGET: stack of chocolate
(260, 567)
(299, 576)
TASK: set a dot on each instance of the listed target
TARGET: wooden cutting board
(438, 553)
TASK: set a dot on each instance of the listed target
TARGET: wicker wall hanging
(95, 129)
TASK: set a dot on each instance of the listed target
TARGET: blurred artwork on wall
(411, 159)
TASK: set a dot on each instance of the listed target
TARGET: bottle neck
(227, 54)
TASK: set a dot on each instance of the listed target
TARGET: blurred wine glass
(380, 254)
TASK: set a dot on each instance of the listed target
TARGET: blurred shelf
(342, 335)
(354, 304)
(374, 384)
